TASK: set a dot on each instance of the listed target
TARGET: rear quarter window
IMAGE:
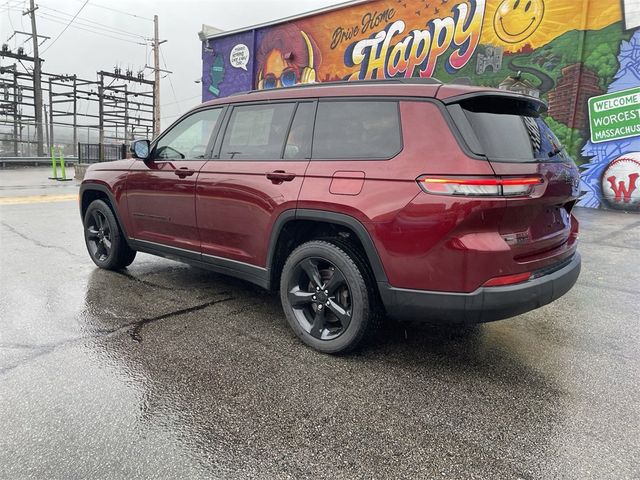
(357, 129)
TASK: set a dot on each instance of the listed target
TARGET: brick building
(568, 101)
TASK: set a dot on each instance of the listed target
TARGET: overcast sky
(100, 37)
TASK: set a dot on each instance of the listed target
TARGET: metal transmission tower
(10, 98)
(124, 111)
(114, 108)
(18, 99)
(67, 91)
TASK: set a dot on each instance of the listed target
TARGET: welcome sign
(615, 116)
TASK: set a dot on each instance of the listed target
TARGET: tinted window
(188, 139)
(509, 130)
(298, 145)
(257, 132)
(357, 129)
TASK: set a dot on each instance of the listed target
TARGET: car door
(161, 189)
(256, 174)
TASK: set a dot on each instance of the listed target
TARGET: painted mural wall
(581, 56)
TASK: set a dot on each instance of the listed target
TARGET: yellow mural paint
(511, 25)
(516, 20)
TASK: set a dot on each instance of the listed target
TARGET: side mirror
(141, 149)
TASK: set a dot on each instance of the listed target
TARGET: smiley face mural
(516, 20)
(562, 51)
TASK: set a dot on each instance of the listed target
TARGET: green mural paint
(615, 115)
(216, 75)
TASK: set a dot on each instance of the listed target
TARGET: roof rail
(408, 81)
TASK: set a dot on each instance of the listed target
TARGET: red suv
(407, 197)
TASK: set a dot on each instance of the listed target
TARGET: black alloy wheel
(104, 239)
(320, 297)
(99, 240)
(327, 294)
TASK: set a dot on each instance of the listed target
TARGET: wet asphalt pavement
(168, 371)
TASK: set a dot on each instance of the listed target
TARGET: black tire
(328, 297)
(105, 242)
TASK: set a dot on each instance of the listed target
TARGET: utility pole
(156, 77)
(37, 78)
(156, 42)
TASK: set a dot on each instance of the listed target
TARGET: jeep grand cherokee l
(408, 198)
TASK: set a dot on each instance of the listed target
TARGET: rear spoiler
(536, 104)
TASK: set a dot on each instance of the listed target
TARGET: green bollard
(54, 168)
(64, 173)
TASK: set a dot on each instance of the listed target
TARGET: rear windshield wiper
(556, 151)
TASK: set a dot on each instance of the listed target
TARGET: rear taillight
(480, 186)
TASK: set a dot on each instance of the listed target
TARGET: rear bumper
(483, 305)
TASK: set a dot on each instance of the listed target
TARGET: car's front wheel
(104, 239)
(327, 296)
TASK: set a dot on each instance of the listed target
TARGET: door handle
(279, 176)
(183, 172)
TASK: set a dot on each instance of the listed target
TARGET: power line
(181, 100)
(11, 23)
(175, 97)
(8, 2)
(171, 116)
(22, 16)
(65, 28)
(91, 23)
(118, 11)
(86, 24)
(50, 19)
(10, 5)
(9, 17)
(10, 8)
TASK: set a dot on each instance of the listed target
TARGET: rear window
(356, 130)
(506, 130)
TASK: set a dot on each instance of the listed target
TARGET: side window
(189, 139)
(257, 132)
(298, 145)
(357, 130)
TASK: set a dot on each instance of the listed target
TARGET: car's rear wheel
(104, 239)
(327, 296)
